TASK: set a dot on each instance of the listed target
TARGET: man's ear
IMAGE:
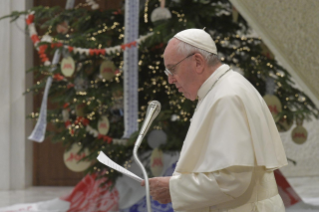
(200, 63)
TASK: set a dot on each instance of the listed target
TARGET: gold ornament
(72, 159)
(274, 105)
(299, 134)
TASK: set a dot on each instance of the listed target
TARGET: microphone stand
(147, 186)
(153, 110)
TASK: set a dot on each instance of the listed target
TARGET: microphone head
(154, 105)
(153, 109)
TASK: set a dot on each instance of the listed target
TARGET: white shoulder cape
(231, 125)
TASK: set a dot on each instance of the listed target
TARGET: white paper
(108, 162)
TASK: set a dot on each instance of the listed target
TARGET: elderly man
(232, 146)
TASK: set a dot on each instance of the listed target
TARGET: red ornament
(58, 77)
(105, 138)
(30, 19)
(70, 48)
(66, 105)
(67, 123)
(35, 38)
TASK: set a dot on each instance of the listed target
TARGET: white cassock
(230, 151)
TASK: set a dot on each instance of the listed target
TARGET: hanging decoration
(130, 81)
(131, 23)
(73, 158)
(157, 163)
(156, 138)
(299, 134)
(161, 13)
(108, 70)
(67, 66)
(40, 127)
(77, 50)
(103, 125)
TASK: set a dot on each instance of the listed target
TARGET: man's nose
(170, 79)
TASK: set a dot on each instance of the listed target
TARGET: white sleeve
(198, 190)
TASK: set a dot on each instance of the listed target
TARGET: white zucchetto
(197, 38)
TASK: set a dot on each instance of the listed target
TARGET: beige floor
(306, 187)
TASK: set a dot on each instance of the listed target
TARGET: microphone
(153, 109)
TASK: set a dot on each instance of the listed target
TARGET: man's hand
(159, 189)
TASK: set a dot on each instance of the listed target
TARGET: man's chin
(188, 97)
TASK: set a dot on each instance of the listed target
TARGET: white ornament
(103, 125)
(67, 66)
(157, 163)
(72, 159)
(299, 134)
(174, 117)
(47, 63)
(107, 69)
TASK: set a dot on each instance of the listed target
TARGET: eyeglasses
(169, 73)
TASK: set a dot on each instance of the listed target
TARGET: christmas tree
(87, 85)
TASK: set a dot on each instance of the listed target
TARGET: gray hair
(186, 49)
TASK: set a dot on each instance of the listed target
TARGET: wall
(15, 58)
